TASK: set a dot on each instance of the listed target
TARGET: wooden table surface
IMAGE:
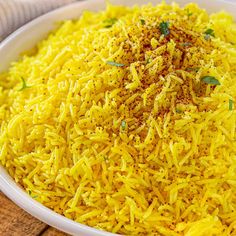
(16, 222)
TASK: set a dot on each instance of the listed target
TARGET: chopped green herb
(110, 22)
(148, 60)
(196, 69)
(30, 193)
(24, 85)
(210, 80)
(164, 28)
(178, 110)
(142, 22)
(123, 124)
(209, 33)
(186, 44)
(189, 13)
(231, 104)
(112, 63)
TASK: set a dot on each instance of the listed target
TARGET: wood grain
(53, 232)
(16, 222)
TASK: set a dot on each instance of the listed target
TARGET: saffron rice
(124, 120)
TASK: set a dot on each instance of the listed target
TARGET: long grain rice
(142, 147)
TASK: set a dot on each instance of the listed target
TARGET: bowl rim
(11, 189)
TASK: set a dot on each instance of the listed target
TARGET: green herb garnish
(186, 44)
(209, 33)
(24, 85)
(231, 104)
(178, 110)
(30, 193)
(110, 22)
(189, 13)
(196, 69)
(148, 60)
(112, 63)
(210, 80)
(164, 28)
(123, 124)
(142, 21)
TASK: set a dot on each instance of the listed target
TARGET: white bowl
(25, 38)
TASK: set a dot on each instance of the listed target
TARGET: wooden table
(16, 222)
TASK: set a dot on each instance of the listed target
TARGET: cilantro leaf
(24, 85)
(209, 33)
(112, 63)
(210, 80)
(110, 22)
(142, 21)
(164, 28)
(189, 13)
(148, 60)
(196, 69)
(231, 104)
(178, 110)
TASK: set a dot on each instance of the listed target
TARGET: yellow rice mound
(109, 122)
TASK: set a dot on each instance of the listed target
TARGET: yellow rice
(141, 149)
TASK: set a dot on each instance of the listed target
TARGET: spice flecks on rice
(124, 120)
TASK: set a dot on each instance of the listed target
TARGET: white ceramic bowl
(25, 38)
